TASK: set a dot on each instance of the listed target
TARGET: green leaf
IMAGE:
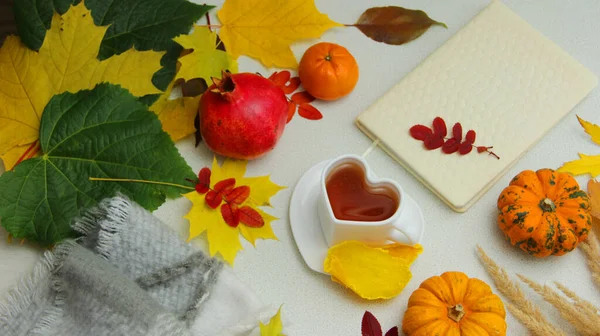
(143, 24)
(104, 132)
(34, 17)
(163, 77)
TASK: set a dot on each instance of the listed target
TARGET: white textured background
(312, 304)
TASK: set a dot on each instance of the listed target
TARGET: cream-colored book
(498, 76)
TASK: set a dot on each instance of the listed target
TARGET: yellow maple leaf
(206, 61)
(274, 327)
(222, 238)
(66, 62)
(587, 164)
(21, 153)
(176, 115)
(24, 92)
(592, 129)
(264, 29)
(72, 45)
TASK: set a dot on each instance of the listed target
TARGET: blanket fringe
(27, 289)
(30, 290)
(101, 225)
(52, 314)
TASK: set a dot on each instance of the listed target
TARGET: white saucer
(305, 222)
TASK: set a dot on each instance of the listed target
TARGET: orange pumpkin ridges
(328, 71)
(453, 303)
(544, 213)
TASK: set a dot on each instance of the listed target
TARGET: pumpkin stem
(456, 313)
(547, 205)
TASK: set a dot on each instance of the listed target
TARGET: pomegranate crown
(223, 84)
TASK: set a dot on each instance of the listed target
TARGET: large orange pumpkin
(454, 305)
(328, 71)
(544, 213)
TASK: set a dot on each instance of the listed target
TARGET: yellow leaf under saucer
(371, 272)
(406, 252)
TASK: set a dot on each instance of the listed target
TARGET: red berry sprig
(300, 100)
(435, 137)
(226, 192)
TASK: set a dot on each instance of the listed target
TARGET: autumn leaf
(370, 325)
(67, 61)
(118, 138)
(587, 164)
(193, 88)
(140, 24)
(435, 137)
(21, 153)
(205, 61)
(280, 78)
(285, 81)
(264, 29)
(203, 185)
(145, 24)
(71, 46)
(176, 115)
(230, 215)
(238, 195)
(365, 269)
(291, 111)
(394, 25)
(274, 327)
(302, 97)
(300, 100)
(394, 331)
(592, 129)
(309, 112)
(222, 238)
(24, 92)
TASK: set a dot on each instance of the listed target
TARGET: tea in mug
(352, 198)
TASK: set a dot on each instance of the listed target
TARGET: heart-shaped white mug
(395, 229)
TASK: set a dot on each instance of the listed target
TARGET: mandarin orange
(328, 71)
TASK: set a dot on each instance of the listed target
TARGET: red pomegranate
(242, 115)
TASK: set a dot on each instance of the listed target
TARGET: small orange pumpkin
(544, 213)
(454, 304)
